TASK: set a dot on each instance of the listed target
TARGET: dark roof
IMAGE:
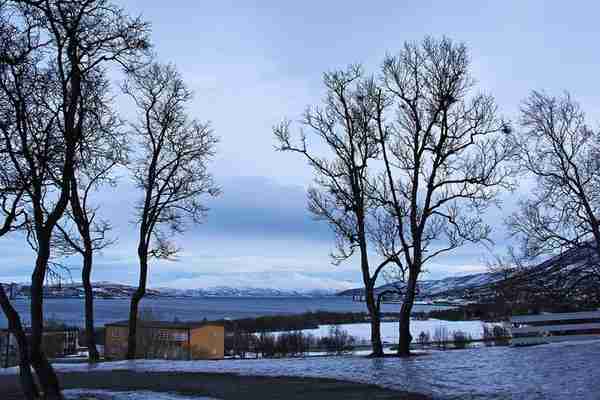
(166, 324)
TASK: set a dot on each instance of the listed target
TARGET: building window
(116, 333)
(179, 336)
(163, 335)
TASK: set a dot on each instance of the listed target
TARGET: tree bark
(28, 386)
(83, 226)
(43, 369)
(377, 346)
(405, 338)
(135, 301)
(90, 337)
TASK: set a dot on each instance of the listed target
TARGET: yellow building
(167, 340)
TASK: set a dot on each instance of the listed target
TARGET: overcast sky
(252, 63)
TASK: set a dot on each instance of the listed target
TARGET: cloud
(258, 234)
(252, 66)
(282, 280)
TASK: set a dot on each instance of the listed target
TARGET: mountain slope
(447, 287)
(577, 268)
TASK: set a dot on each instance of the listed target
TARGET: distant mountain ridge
(565, 269)
(561, 271)
(454, 286)
(110, 290)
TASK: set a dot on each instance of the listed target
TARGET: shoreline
(217, 385)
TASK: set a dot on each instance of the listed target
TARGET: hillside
(577, 268)
(453, 287)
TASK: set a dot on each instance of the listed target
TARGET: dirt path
(221, 386)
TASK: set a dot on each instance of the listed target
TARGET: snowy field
(389, 330)
(80, 394)
(561, 371)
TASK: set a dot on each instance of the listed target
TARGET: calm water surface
(71, 311)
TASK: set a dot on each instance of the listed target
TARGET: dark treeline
(308, 320)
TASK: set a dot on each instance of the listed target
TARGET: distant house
(167, 340)
(57, 341)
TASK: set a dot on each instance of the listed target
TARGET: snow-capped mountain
(446, 287)
(577, 268)
(116, 290)
(566, 269)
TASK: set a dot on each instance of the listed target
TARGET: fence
(555, 327)
(57, 343)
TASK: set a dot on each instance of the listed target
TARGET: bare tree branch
(171, 170)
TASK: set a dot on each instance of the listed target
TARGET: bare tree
(562, 153)
(444, 152)
(56, 46)
(11, 214)
(171, 169)
(345, 125)
(102, 149)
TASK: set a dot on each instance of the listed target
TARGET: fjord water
(70, 311)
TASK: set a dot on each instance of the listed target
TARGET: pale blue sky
(252, 63)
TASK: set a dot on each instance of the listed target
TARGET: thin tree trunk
(43, 369)
(28, 386)
(83, 225)
(377, 346)
(134, 307)
(405, 338)
(90, 337)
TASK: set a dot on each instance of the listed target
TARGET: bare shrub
(242, 343)
(292, 344)
(265, 344)
(461, 339)
(501, 335)
(441, 337)
(495, 335)
(424, 338)
(338, 341)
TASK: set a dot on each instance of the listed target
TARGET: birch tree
(559, 150)
(171, 170)
(445, 152)
(344, 126)
(54, 47)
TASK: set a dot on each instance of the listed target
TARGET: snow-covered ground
(389, 330)
(560, 371)
(81, 394)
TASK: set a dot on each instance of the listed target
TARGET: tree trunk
(405, 338)
(83, 226)
(377, 346)
(133, 318)
(43, 369)
(90, 337)
(28, 386)
(134, 307)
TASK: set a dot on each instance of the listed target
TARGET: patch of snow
(390, 334)
(555, 371)
(81, 394)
